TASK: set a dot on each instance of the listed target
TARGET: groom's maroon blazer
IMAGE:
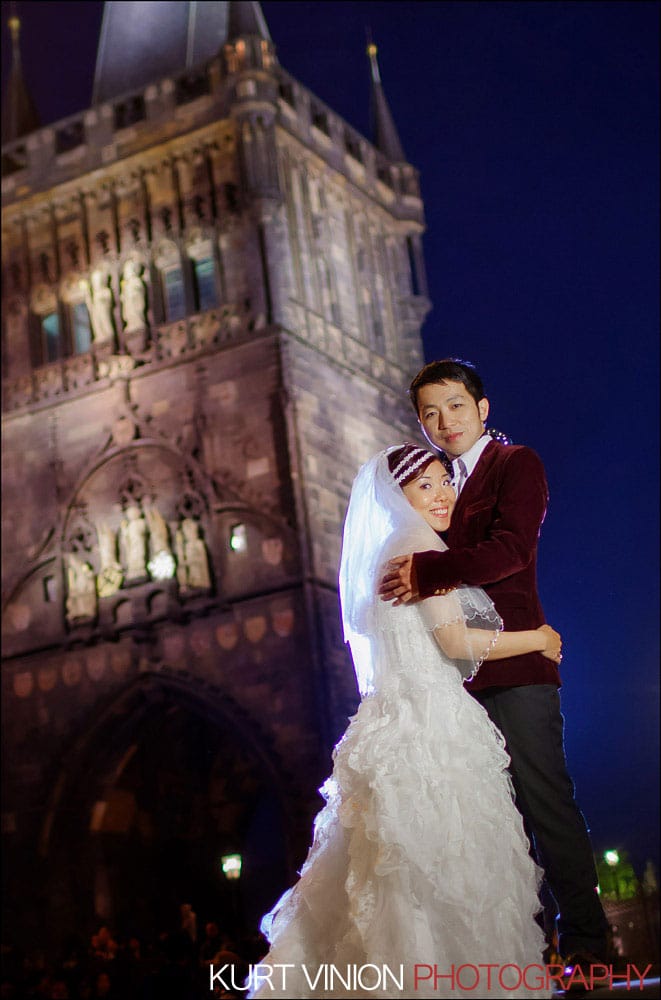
(492, 543)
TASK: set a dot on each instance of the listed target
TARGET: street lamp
(612, 859)
(231, 866)
(238, 538)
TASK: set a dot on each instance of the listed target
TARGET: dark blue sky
(535, 128)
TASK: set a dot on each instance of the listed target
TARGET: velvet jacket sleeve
(507, 522)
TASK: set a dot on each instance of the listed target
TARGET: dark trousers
(529, 718)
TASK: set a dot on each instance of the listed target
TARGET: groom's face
(450, 418)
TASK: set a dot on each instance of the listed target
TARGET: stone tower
(213, 290)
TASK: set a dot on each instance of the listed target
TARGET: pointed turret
(384, 133)
(249, 45)
(19, 115)
(252, 87)
(144, 42)
(246, 18)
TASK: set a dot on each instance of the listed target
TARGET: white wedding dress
(419, 855)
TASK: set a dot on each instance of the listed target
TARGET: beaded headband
(415, 458)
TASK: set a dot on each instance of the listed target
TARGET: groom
(492, 539)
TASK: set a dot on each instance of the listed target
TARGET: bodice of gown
(407, 659)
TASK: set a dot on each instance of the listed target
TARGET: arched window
(204, 271)
(413, 266)
(204, 276)
(174, 295)
(81, 330)
(46, 328)
(331, 308)
(51, 337)
(77, 335)
(172, 282)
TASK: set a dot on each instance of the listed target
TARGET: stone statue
(197, 562)
(134, 297)
(110, 576)
(193, 561)
(99, 305)
(158, 531)
(161, 565)
(132, 533)
(180, 549)
(81, 589)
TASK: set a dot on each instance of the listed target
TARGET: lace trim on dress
(476, 662)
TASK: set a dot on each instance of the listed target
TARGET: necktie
(463, 475)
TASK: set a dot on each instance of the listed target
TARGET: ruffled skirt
(419, 864)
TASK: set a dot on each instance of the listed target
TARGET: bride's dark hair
(409, 461)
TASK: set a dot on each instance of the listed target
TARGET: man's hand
(396, 584)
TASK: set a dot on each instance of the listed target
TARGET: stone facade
(213, 293)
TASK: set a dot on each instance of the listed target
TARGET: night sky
(535, 129)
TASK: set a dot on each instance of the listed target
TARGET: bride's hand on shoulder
(552, 647)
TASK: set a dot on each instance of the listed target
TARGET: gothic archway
(169, 777)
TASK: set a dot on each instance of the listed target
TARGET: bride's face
(432, 495)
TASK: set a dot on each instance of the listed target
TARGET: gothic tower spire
(384, 133)
(245, 18)
(19, 115)
(143, 42)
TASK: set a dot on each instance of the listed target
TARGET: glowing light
(611, 858)
(238, 538)
(162, 566)
(231, 866)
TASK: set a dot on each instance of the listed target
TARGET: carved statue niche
(192, 557)
(81, 590)
(100, 302)
(133, 293)
(161, 563)
(158, 531)
(132, 537)
(110, 576)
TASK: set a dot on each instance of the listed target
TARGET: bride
(419, 863)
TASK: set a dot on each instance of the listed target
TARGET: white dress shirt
(468, 460)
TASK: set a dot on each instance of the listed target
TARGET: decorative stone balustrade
(108, 132)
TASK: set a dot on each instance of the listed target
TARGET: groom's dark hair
(447, 370)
